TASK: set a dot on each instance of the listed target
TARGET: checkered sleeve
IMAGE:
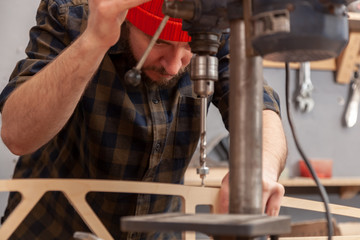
(48, 39)
(271, 99)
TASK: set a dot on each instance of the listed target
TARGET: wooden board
(75, 190)
(323, 238)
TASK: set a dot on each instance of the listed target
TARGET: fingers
(127, 4)
(119, 7)
(105, 20)
(272, 198)
(223, 205)
(273, 193)
(113, 8)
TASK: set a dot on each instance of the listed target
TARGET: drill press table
(219, 225)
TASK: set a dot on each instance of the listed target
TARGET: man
(69, 113)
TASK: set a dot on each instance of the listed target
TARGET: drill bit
(203, 170)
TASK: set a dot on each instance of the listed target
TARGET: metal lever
(133, 76)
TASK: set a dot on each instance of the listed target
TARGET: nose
(174, 59)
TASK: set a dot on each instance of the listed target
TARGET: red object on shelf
(322, 167)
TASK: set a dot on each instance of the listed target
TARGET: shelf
(348, 187)
(325, 65)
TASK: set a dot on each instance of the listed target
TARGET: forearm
(38, 109)
(274, 145)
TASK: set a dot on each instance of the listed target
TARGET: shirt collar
(118, 48)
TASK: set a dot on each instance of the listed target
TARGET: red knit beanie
(147, 18)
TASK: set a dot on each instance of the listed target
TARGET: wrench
(304, 100)
(351, 112)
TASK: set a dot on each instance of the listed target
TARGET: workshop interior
(308, 51)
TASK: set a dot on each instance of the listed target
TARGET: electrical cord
(321, 188)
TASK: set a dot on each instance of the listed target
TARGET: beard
(161, 82)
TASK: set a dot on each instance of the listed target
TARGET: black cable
(321, 188)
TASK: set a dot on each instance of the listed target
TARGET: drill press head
(298, 31)
(282, 30)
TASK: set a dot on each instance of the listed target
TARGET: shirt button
(155, 101)
(158, 147)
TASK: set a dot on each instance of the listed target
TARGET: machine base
(217, 225)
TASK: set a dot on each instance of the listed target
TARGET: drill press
(279, 30)
(204, 71)
(205, 25)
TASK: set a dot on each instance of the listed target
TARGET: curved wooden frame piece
(322, 238)
(75, 191)
(319, 207)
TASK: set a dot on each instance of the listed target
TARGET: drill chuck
(204, 71)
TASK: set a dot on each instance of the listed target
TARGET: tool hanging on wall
(354, 6)
(352, 107)
(304, 100)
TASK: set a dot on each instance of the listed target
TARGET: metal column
(246, 100)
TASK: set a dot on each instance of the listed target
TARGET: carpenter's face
(166, 61)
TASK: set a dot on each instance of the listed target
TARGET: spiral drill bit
(203, 170)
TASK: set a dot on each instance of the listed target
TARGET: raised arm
(39, 108)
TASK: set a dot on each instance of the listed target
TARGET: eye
(159, 43)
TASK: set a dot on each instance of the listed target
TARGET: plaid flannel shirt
(117, 131)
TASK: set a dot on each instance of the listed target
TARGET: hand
(105, 20)
(272, 196)
(273, 193)
(223, 204)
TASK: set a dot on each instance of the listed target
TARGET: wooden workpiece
(75, 191)
(345, 64)
(322, 238)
